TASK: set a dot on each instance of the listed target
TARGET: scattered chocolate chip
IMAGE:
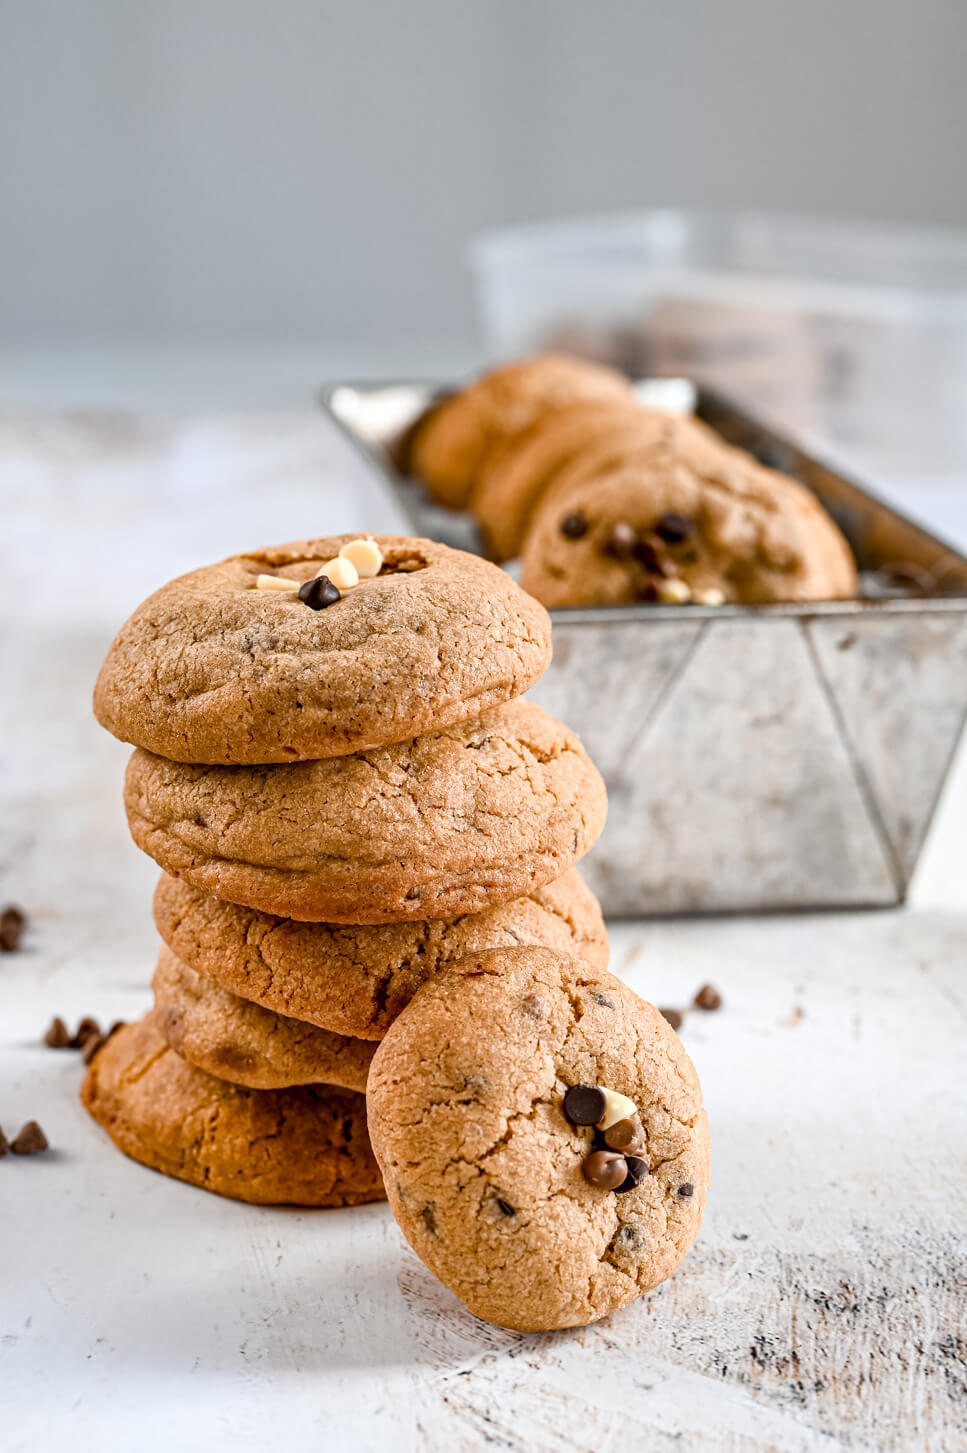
(30, 1141)
(673, 528)
(575, 525)
(92, 1044)
(506, 1207)
(637, 1170)
(4, 1143)
(708, 997)
(584, 1104)
(686, 1190)
(627, 1135)
(626, 1240)
(605, 1169)
(651, 557)
(429, 1219)
(621, 541)
(319, 592)
(57, 1036)
(85, 1030)
(647, 590)
(12, 921)
(675, 1017)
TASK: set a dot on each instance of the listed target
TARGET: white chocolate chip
(616, 1107)
(365, 555)
(341, 572)
(673, 592)
(712, 596)
(275, 582)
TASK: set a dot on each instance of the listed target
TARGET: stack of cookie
(346, 796)
(608, 502)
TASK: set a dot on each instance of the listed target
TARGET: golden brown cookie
(454, 438)
(212, 668)
(305, 1147)
(713, 528)
(515, 475)
(356, 980)
(452, 822)
(522, 1202)
(228, 1036)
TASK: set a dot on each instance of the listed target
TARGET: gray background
(246, 172)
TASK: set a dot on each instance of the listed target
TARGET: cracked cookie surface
(304, 1147)
(452, 822)
(454, 438)
(355, 980)
(753, 534)
(230, 1037)
(210, 669)
(483, 1171)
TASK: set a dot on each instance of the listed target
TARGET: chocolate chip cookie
(237, 1040)
(452, 822)
(254, 660)
(306, 1147)
(710, 528)
(516, 475)
(355, 980)
(541, 1136)
(455, 437)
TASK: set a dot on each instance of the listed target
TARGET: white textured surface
(823, 1306)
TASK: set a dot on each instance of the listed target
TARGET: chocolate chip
(686, 1190)
(621, 541)
(626, 1239)
(319, 592)
(637, 1170)
(650, 555)
(584, 1104)
(92, 1044)
(85, 1030)
(603, 1000)
(429, 1219)
(708, 997)
(57, 1036)
(575, 525)
(4, 1143)
(674, 1017)
(627, 1135)
(12, 922)
(674, 528)
(605, 1169)
(30, 1141)
(506, 1207)
(532, 1007)
(647, 590)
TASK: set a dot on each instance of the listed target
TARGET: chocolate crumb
(506, 1207)
(92, 1044)
(575, 525)
(12, 921)
(675, 1017)
(708, 997)
(686, 1190)
(621, 541)
(30, 1141)
(57, 1036)
(319, 592)
(85, 1029)
(4, 1143)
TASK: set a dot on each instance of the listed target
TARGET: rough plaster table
(824, 1304)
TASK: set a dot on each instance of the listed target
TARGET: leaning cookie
(452, 822)
(454, 438)
(304, 1147)
(319, 648)
(541, 1136)
(236, 1040)
(516, 475)
(709, 528)
(355, 980)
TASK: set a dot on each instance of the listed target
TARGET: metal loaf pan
(757, 757)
